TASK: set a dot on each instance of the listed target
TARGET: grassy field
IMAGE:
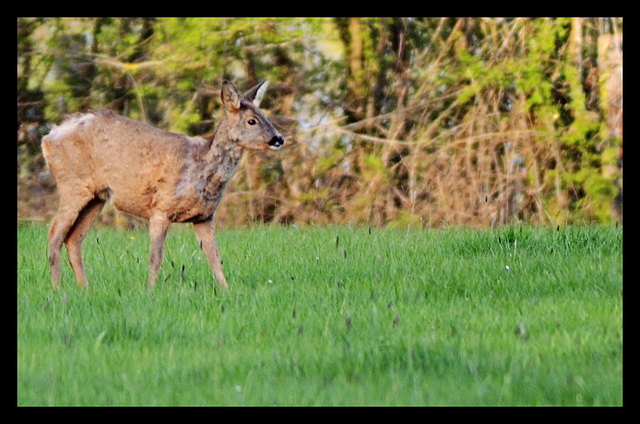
(334, 316)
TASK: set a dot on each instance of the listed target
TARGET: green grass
(335, 316)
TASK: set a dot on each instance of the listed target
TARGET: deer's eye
(252, 121)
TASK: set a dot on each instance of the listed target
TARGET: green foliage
(333, 316)
(470, 101)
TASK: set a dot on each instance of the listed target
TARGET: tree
(389, 121)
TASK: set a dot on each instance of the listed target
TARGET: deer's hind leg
(76, 235)
(70, 209)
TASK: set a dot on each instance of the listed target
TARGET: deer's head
(248, 125)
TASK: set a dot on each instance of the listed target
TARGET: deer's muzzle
(276, 142)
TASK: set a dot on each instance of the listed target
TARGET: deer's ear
(230, 97)
(256, 94)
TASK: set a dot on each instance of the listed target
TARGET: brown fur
(158, 175)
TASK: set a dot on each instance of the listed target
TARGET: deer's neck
(223, 154)
(203, 178)
(218, 161)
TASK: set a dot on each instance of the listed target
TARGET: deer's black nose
(276, 142)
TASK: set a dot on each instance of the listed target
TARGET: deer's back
(103, 152)
(105, 137)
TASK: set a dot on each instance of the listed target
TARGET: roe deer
(158, 175)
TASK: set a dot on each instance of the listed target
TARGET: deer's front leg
(205, 233)
(158, 227)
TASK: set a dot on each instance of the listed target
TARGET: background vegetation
(388, 121)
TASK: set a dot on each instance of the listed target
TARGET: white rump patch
(69, 126)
